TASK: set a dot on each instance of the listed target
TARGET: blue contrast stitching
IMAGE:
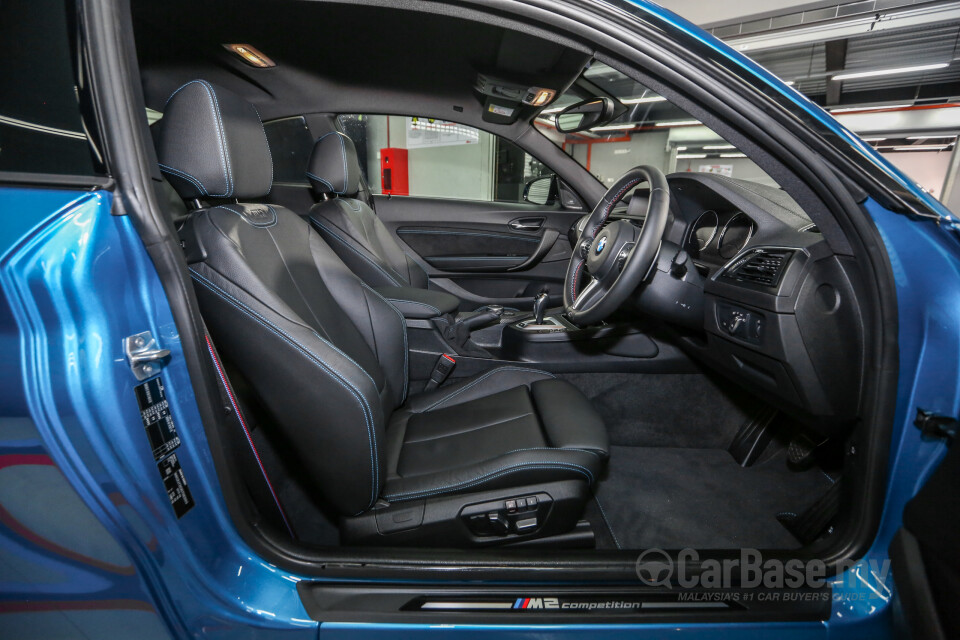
(827, 476)
(479, 380)
(422, 304)
(449, 258)
(343, 153)
(269, 153)
(606, 521)
(364, 406)
(554, 449)
(319, 179)
(492, 475)
(465, 233)
(320, 225)
(222, 134)
(403, 330)
(787, 513)
(316, 335)
(214, 108)
(186, 176)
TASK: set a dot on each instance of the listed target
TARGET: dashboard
(766, 302)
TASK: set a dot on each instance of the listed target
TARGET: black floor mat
(645, 410)
(673, 498)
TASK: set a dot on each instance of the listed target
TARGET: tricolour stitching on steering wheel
(617, 197)
(573, 285)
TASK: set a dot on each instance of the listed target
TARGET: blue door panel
(76, 282)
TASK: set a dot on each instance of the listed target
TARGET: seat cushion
(508, 427)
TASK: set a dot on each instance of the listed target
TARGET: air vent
(761, 267)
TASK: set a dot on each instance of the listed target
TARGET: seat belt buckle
(441, 371)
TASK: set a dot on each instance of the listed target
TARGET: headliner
(337, 57)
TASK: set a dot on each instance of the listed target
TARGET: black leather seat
(349, 225)
(327, 357)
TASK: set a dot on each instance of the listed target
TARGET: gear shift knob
(540, 306)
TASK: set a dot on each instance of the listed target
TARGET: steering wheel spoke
(589, 294)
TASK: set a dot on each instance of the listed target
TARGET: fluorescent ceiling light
(889, 72)
(733, 155)
(676, 123)
(873, 108)
(931, 137)
(923, 147)
(719, 146)
(873, 139)
(790, 83)
(642, 100)
(681, 148)
(864, 24)
(552, 110)
(614, 127)
(690, 156)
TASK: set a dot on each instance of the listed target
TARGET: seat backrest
(325, 354)
(349, 225)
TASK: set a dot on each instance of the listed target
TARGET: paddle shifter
(540, 306)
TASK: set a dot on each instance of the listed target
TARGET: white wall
(929, 170)
(610, 160)
(456, 171)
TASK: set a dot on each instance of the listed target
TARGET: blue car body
(88, 541)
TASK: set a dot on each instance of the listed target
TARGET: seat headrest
(333, 166)
(211, 143)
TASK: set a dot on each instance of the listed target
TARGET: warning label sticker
(155, 413)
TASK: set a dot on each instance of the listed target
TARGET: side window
(413, 156)
(290, 145)
(41, 129)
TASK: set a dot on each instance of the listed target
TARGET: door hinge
(936, 425)
(144, 355)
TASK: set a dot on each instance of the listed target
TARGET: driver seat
(505, 456)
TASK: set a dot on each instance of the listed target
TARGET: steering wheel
(610, 261)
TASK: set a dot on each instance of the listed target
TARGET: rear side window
(290, 145)
(410, 156)
(41, 129)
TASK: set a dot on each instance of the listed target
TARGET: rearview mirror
(586, 114)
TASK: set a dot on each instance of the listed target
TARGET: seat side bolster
(514, 468)
(381, 325)
(300, 376)
(352, 245)
(568, 418)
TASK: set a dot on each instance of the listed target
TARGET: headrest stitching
(319, 179)
(186, 176)
(343, 154)
(221, 134)
(270, 153)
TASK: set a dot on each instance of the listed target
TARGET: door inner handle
(526, 224)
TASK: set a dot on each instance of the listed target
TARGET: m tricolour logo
(537, 603)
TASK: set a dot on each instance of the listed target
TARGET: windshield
(653, 131)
